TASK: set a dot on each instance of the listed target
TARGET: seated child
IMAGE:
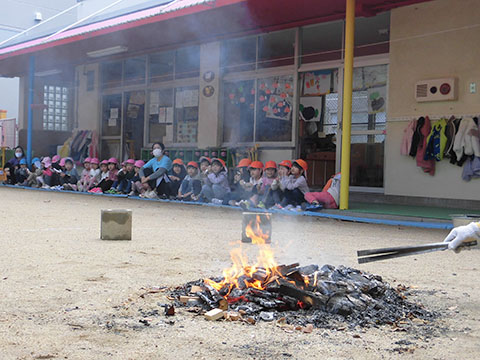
(216, 183)
(47, 174)
(69, 177)
(253, 186)
(85, 175)
(36, 172)
(125, 176)
(329, 196)
(243, 167)
(191, 184)
(277, 188)
(137, 186)
(266, 197)
(102, 183)
(112, 178)
(56, 169)
(94, 176)
(22, 172)
(176, 175)
(295, 185)
(205, 166)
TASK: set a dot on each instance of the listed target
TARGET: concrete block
(116, 224)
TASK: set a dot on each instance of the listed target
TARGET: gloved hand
(461, 234)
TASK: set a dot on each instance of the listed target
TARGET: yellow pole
(347, 103)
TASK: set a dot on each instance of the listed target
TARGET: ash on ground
(323, 297)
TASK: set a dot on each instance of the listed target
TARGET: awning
(179, 23)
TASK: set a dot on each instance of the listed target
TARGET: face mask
(18, 154)
(157, 152)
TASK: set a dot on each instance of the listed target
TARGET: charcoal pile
(301, 295)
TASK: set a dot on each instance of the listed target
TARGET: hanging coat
(427, 166)
(417, 136)
(466, 140)
(408, 137)
(436, 141)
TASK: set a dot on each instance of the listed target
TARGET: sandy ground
(59, 284)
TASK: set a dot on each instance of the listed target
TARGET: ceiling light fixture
(107, 51)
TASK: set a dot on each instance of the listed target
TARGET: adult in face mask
(155, 172)
(13, 164)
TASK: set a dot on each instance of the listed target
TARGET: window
(257, 52)
(56, 112)
(112, 115)
(161, 66)
(239, 54)
(111, 74)
(134, 71)
(372, 34)
(258, 110)
(239, 111)
(178, 64)
(276, 49)
(173, 115)
(322, 42)
(187, 62)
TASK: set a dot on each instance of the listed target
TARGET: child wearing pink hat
(97, 187)
(94, 175)
(46, 178)
(125, 176)
(112, 176)
(82, 184)
(137, 187)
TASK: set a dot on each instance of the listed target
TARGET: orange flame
(264, 267)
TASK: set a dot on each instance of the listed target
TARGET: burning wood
(267, 291)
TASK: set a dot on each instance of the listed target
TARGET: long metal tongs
(365, 256)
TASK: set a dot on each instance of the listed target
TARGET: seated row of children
(253, 184)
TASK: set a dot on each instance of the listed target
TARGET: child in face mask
(216, 184)
(82, 184)
(69, 177)
(191, 184)
(125, 177)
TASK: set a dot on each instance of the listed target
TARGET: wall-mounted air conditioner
(436, 90)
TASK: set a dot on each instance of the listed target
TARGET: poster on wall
(317, 83)
(169, 115)
(162, 114)
(311, 108)
(114, 113)
(375, 75)
(377, 99)
(278, 108)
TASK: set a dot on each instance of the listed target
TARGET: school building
(225, 76)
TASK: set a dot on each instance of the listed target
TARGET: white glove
(461, 234)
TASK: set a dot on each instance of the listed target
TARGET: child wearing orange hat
(279, 184)
(191, 184)
(216, 183)
(295, 185)
(267, 197)
(176, 175)
(253, 187)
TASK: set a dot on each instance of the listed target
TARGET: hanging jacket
(436, 141)
(451, 153)
(427, 166)
(450, 134)
(417, 136)
(466, 140)
(408, 137)
(471, 168)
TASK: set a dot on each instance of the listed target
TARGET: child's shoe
(244, 204)
(217, 201)
(261, 205)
